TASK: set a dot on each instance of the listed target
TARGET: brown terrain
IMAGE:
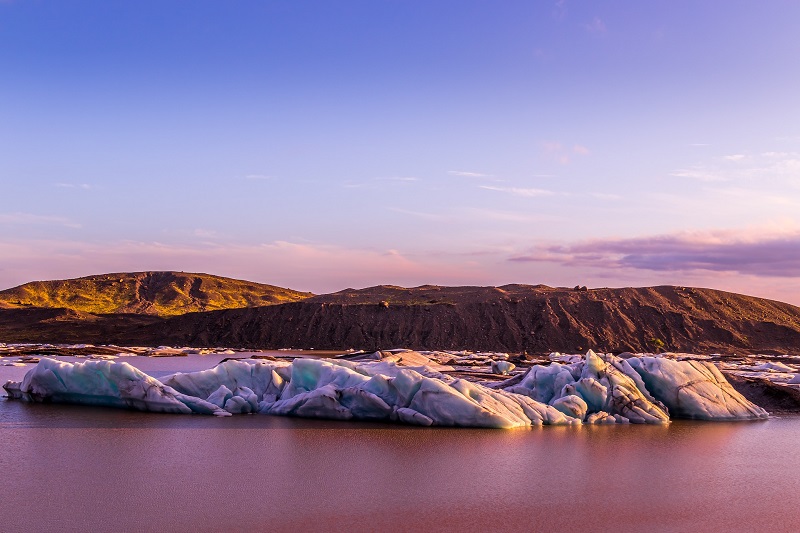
(148, 293)
(511, 318)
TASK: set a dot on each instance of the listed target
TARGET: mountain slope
(509, 318)
(514, 318)
(149, 293)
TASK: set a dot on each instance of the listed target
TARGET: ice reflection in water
(78, 468)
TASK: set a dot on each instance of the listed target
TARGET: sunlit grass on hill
(153, 293)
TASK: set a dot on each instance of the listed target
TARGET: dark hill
(148, 293)
(509, 318)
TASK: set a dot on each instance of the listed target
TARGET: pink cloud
(313, 267)
(562, 154)
(759, 262)
(580, 150)
(552, 147)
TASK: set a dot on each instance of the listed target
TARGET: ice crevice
(597, 389)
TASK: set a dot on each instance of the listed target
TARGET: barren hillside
(515, 318)
(151, 293)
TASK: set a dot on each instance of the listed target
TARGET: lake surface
(73, 468)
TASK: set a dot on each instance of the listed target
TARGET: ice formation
(694, 389)
(501, 367)
(593, 385)
(106, 383)
(597, 389)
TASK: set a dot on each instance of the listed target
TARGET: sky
(321, 145)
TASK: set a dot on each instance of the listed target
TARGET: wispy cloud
(84, 186)
(418, 214)
(30, 219)
(767, 253)
(596, 26)
(258, 177)
(768, 169)
(754, 197)
(605, 196)
(560, 10)
(469, 174)
(552, 146)
(503, 215)
(698, 173)
(397, 178)
(580, 150)
(379, 181)
(305, 266)
(563, 154)
(519, 191)
(207, 233)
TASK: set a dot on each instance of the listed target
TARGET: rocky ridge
(510, 318)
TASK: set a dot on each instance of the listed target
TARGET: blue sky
(330, 144)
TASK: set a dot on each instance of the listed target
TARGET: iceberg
(694, 389)
(107, 383)
(592, 385)
(596, 389)
(501, 367)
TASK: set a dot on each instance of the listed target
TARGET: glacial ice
(694, 389)
(592, 385)
(594, 389)
(106, 383)
(770, 366)
(501, 367)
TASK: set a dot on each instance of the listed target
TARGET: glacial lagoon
(77, 468)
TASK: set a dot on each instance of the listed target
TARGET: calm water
(70, 468)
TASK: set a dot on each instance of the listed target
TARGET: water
(72, 468)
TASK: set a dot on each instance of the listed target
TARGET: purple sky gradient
(322, 145)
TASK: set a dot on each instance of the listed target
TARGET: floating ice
(597, 389)
(770, 366)
(103, 383)
(694, 389)
(502, 367)
(610, 385)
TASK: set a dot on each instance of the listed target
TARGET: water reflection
(79, 468)
(82, 468)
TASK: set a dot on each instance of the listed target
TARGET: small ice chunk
(600, 418)
(502, 367)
